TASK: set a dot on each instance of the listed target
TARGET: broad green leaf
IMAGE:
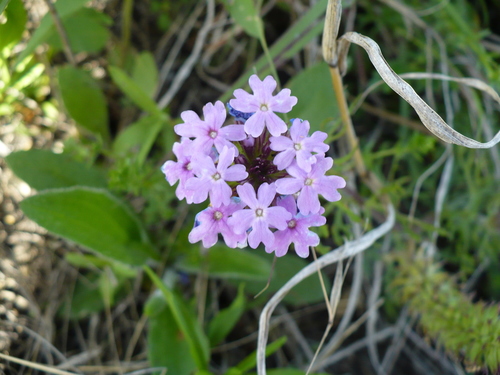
(167, 346)
(145, 73)
(185, 319)
(246, 15)
(225, 263)
(64, 8)
(87, 31)
(84, 100)
(307, 292)
(3, 5)
(133, 91)
(139, 137)
(316, 98)
(222, 324)
(93, 218)
(42, 169)
(12, 30)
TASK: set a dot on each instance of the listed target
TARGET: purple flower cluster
(263, 179)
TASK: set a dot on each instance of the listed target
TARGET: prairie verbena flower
(262, 179)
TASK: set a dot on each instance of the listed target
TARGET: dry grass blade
(36, 366)
(343, 252)
(331, 30)
(428, 116)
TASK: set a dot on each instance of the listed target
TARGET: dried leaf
(428, 116)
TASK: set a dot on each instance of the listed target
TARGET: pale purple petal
(246, 193)
(289, 185)
(241, 220)
(327, 186)
(282, 241)
(277, 217)
(214, 115)
(220, 193)
(284, 159)
(280, 143)
(233, 132)
(230, 238)
(302, 245)
(244, 101)
(255, 124)
(235, 173)
(260, 233)
(266, 194)
(316, 143)
(305, 160)
(288, 202)
(274, 124)
(283, 102)
(203, 166)
(308, 201)
(299, 130)
(226, 158)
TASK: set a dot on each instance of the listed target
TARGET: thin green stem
(128, 6)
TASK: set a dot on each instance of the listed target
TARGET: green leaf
(121, 270)
(316, 98)
(139, 137)
(12, 30)
(225, 263)
(64, 8)
(220, 326)
(3, 5)
(86, 298)
(93, 218)
(307, 292)
(84, 100)
(42, 169)
(167, 346)
(292, 41)
(145, 73)
(189, 326)
(87, 31)
(246, 15)
(133, 91)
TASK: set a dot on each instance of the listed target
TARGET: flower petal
(289, 185)
(246, 193)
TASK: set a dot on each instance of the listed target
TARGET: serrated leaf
(316, 98)
(245, 14)
(12, 30)
(87, 31)
(42, 169)
(93, 218)
(167, 346)
(145, 73)
(84, 100)
(133, 91)
(187, 323)
(220, 326)
(225, 263)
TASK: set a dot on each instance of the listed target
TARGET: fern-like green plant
(467, 330)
